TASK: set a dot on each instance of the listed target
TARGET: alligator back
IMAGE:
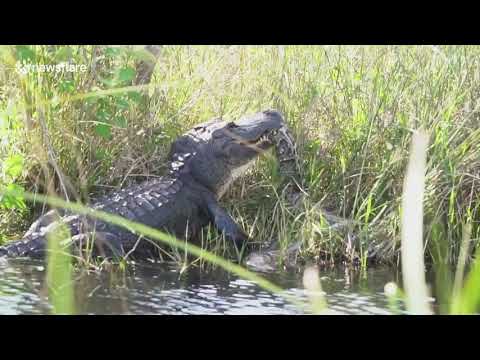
(167, 203)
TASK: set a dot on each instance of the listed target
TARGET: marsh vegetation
(352, 111)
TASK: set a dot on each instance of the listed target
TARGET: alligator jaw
(285, 149)
(236, 173)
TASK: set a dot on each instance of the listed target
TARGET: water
(163, 289)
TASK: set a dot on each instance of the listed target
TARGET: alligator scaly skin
(153, 203)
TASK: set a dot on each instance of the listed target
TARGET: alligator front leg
(225, 224)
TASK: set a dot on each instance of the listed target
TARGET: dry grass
(351, 109)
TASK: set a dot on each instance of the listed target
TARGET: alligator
(202, 165)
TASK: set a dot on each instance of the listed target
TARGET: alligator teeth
(263, 138)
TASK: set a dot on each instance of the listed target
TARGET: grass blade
(412, 253)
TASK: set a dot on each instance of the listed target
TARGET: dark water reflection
(161, 289)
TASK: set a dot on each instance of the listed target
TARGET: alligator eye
(232, 125)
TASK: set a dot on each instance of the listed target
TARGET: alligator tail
(31, 246)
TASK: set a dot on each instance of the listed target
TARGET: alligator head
(217, 152)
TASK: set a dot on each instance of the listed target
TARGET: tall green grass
(460, 297)
(352, 110)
